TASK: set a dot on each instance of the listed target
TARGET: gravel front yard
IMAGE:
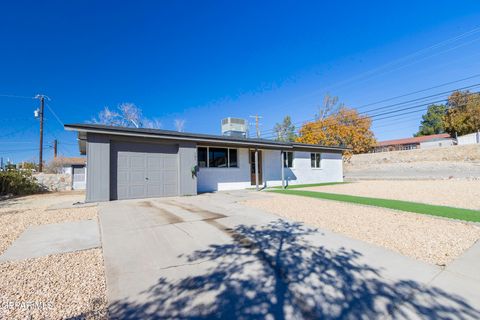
(14, 221)
(53, 287)
(454, 193)
(425, 238)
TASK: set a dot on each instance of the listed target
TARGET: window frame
(220, 157)
(319, 154)
(206, 157)
(285, 159)
(228, 157)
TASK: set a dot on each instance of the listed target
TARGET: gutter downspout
(282, 161)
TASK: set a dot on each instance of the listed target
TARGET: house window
(315, 160)
(232, 158)
(211, 157)
(217, 157)
(288, 159)
(202, 157)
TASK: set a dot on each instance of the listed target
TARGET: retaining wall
(55, 182)
(465, 153)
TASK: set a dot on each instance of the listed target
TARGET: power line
(15, 119)
(433, 55)
(17, 131)
(400, 114)
(405, 58)
(393, 105)
(440, 44)
(273, 135)
(418, 91)
(69, 144)
(24, 150)
(16, 142)
(15, 96)
(423, 98)
(55, 115)
(398, 120)
(385, 115)
(407, 108)
(372, 118)
(383, 118)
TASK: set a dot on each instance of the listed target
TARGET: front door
(252, 167)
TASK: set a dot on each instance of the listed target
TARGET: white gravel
(54, 287)
(42, 200)
(454, 193)
(14, 222)
(422, 237)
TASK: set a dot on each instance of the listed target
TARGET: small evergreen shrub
(18, 183)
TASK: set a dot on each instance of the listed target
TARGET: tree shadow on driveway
(273, 272)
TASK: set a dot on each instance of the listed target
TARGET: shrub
(18, 183)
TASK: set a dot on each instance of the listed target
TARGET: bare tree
(55, 165)
(179, 124)
(131, 114)
(329, 106)
(152, 123)
(108, 117)
(128, 115)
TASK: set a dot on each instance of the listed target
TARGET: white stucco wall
(212, 179)
(471, 138)
(331, 169)
(436, 143)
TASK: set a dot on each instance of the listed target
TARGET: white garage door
(144, 170)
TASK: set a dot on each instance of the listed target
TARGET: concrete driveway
(210, 257)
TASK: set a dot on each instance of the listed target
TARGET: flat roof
(196, 137)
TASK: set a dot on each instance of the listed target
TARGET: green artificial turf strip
(441, 211)
(297, 186)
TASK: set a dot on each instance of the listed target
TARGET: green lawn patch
(298, 186)
(422, 208)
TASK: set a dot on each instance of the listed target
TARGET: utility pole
(55, 142)
(257, 124)
(39, 114)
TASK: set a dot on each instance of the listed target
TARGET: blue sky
(202, 61)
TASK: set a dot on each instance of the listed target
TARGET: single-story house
(75, 167)
(434, 140)
(127, 163)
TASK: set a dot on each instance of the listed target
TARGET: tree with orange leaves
(345, 127)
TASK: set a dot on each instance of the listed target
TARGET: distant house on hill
(423, 142)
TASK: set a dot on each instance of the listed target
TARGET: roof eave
(179, 138)
(297, 146)
(83, 130)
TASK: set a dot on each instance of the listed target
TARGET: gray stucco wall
(98, 165)
(98, 168)
(188, 160)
